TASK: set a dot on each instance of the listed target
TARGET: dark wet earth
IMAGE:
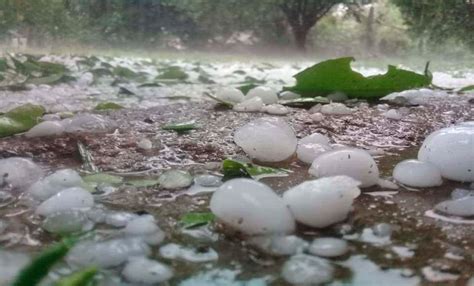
(201, 151)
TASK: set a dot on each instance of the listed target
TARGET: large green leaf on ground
(20, 119)
(336, 75)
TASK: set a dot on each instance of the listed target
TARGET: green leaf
(172, 73)
(467, 88)
(20, 119)
(39, 267)
(80, 278)
(238, 169)
(108, 106)
(205, 79)
(143, 183)
(304, 102)
(180, 127)
(51, 79)
(124, 72)
(150, 84)
(191, 220)
(103, 178)
(246, 87)
(336, 75)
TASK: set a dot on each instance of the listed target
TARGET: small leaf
(80, 278)
(191, 220)
(238, 169)
(467, 88)
(246, 87)
(20, 119)
(108, 106)
(39, 267)
(172, 73)
(180, 127)
(150, 84)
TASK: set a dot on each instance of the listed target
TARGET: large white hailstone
(249, 105)
(310, 151)
(302, 269)
(355, 163)
(417, 174)
(175, 179)
(276, 109)
(267, 94)
(108, 253)
(145, 227)
(146, 271)
(252, 208)
(66, 222)
(459, 207)
(279, 245)
(288, 95)
(19, 172)
(336, 109)
(230, 94)
(54, 183)
(176, 251)
(320, 203)
(451, 150)
(72, 198)
(267, 139)
(393, 114)
(11, 263)
(46, 128)
(328, 247)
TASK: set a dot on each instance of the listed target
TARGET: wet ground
(419, 244)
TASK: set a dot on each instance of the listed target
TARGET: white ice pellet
(46, 128)
(230, 94)
(108, 253)
(393, 114)
(257, 138)
(304, 269)
(267, 94)
(72, 198)
(355, 163)
(251, 207)
(145, 227)
(175, 251)
(254, 104)
(19, 172)
(459, 207)
(119, 219)
(54, 183)
(146, 271)
(87, 123)
(276, 109)
(418, 174)
(451, 150)
(328, 247)
(279, 245)
(320, 203)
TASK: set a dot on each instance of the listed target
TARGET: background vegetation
(336, 27)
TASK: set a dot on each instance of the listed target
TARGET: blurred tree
(439, 20)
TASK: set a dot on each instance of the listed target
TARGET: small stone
(328, 247)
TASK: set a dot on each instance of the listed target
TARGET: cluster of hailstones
(255, 209)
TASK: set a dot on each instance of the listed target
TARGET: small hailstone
(337, 97)
(315, 108)
(146, 271)
(11, 263)
(461, 193)
(315, 138)
(328, 247)
(46, 128)
(66, 222)
(19, 172)
(208, 180)
(108, 253)
(54, 183)
(175, 179)
(336, 109)
(145, 144)
(175, 251)
(355, 163)
(304, 269)
(254, 104)
(288, 95)
(386, 184)
(382, 229)
(119, 219)
(310, 151)
(251, 207)
(267, 94)
(230, 94)
(393, 114)
(85, 79)
(258, 138)
(317, 117)
(320, 203)
(276, 109)
(72, 198)
(279, 245)
(145, 227)
(458, 207)
(418, 174)
(450, 149)
(86, 123)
